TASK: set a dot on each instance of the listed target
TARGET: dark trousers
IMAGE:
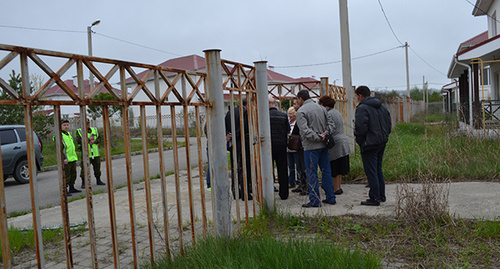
(96, 164)
(70, 173)
(280, 157)
(238, 172)
(372, 164)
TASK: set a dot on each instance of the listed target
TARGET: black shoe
(309, 205)
(297, 190)
(339, 192)
(367, 186)
(370, 202)
(73, 190)
(328, 202)
(68, 194)
(275, 189)
(382, 200)
(99, 182)
(304, 193)
(82, 186)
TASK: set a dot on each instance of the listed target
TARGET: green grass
(24, 240)
(268, 252)
(418, 150)
(50, 156)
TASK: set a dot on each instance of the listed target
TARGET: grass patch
(21, 241)
(428, 243)
(268, 252)
(50, 156)
(417, 150)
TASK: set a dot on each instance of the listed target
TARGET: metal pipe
(265, 134)
(110, 186)
(175, 151)
(147, 184)
(324, 86)
(35, 200)
(128, 166)
(455, 58)
(4, 229)
(217, 139)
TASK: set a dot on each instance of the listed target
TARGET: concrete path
(479, 200)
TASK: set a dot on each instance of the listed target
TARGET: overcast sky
(282, 32)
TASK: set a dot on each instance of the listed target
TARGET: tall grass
(267, 252)
(418, 150)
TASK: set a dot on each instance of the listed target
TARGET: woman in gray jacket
(339, 154)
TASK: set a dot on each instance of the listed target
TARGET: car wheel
(22, 172)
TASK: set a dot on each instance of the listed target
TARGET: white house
(476, 67)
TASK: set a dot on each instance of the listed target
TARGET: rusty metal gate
(155, 90)
(183, 201)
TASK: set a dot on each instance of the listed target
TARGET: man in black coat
(372, 127)
(239, 152)
(280, 127)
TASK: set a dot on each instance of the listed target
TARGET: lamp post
(89, 38)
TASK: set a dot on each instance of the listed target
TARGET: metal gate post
(217, 144)
(323, 87)
(265, 134)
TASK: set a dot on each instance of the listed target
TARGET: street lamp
(89, 38)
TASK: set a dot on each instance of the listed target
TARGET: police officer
(69, 157)
(94, 158)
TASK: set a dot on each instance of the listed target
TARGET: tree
(10, 115)
(14, 115)
(96, 111)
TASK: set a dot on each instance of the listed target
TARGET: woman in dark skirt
(339, 154)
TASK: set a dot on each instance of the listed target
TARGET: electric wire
(42, 29)
(84, 32)
(482, 11)
(386, 19)
(136, 44)
(335, 62)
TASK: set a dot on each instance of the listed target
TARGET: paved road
(18, 196)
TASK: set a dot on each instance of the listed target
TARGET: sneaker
(339, 192)
(209, 188)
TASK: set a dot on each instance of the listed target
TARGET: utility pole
(89, 39)
(405, 104)
(346, 69)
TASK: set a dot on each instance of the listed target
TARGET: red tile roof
(473, 41)
(197, 63)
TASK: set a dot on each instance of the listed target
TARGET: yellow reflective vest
(93, 149)
(69, 147)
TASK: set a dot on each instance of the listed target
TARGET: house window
(493, 24)
(486, 76)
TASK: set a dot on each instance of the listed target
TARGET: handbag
(294, 142)
(329, 141)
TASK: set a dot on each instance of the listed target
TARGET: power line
(135, 44)
(41, 29)
(482, 10)
(383, 11)
(427, 62)
(327, 63)
(84, 32)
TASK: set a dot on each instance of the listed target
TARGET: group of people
(70, 157)
(313, 122)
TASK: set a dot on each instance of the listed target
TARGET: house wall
(495, 81)
(493, 18)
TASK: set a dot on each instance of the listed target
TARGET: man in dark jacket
(280, 127)
(372, 127)
(239, 151)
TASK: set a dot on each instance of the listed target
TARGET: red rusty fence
(157, 91)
